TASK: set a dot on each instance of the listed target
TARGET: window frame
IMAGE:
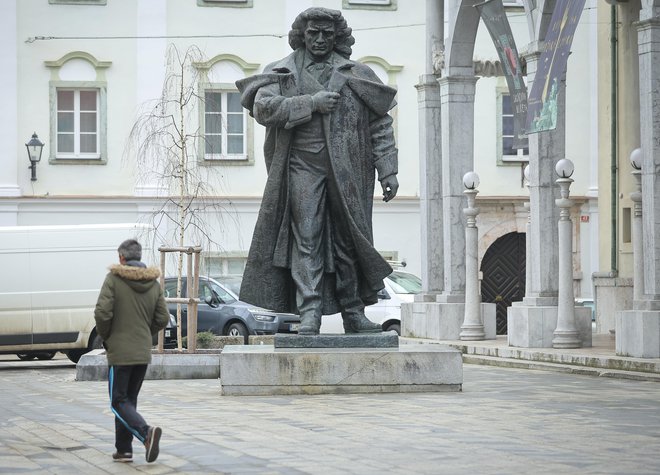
(503, 159)
(247, 157)
(99, 158)
(78, 2)
(225, 3)
(369, 4)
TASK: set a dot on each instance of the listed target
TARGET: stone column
(565, 334)
(414, 316)
(649, 105)
(528, 238)
(457, 111)
(636, 197)
(638, 330)
(430, 152)
(532, 322)
(473, 327)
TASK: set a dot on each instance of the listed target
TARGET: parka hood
(139, 279)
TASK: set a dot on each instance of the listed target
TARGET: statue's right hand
(325, 102)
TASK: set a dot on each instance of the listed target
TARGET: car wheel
(47, 355)
(25, 356)
(95, 343)
(396, 327)
(238, 329)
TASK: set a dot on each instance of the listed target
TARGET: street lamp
(473, 325)
(565, 335)
(34, 149)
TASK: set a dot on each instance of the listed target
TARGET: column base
(534, 327)
(442, 321)
(566, 340)
(472, 333)
(638, 333)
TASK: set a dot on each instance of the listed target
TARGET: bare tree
(164, 142)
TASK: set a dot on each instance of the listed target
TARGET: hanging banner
(542, 101)
(494, 17)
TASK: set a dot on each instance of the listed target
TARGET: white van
(50, 278)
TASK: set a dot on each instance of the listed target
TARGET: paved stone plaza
(506, 421)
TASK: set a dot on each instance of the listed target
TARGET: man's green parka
(129, 311)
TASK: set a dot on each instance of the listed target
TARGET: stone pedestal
(205, 364)
(265, 371)
(534, 326)
(612, 294)
(638, 333)
(442, 321)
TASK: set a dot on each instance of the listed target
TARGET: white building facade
(79, 72)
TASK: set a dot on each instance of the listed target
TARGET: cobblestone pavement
(506, 421)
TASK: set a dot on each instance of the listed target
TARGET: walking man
(129, 311)
(328, 133)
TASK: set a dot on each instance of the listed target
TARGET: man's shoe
(122, 457)
(358, 323)
(151, 443)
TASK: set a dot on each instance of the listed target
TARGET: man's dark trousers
(124, 386)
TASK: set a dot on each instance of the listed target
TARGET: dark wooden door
(503, 270)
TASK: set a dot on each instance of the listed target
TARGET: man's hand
(390, 186)
(325, 102)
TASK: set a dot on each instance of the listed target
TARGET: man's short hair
(131, 250)
(343, 34)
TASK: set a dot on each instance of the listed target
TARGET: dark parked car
(221, 313)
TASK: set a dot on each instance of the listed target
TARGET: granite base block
(93, 366)
(442, 321)
(534, 326)
(356, 340)
(638, 334)
(264, 370)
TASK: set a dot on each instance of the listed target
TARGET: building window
(506, 151)
(370, 4)
(225, 3)
(78, 110)
(78, 120)
(225, 126)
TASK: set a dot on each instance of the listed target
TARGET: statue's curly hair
(343, 34)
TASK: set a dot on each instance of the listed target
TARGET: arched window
(78, 109)
(226, 126)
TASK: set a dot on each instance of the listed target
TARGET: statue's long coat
(360, 140)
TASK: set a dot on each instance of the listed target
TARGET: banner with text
(542, 101)
(494, 17)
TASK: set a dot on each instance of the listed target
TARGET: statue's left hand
(390, 186)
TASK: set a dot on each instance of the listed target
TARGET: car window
(170, 289)
(405, 283)
(205, 293)
(223, 295)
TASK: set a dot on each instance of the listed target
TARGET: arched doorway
(503, 269)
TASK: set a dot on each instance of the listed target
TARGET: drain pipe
(613, 138)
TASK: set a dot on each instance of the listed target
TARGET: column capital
(457, 79)
(647, 24)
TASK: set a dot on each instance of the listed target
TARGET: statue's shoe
(309, 325)
(360, 324)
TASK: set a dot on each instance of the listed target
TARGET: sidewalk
(599, 360)
(506, 421)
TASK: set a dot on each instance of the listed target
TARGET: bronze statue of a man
(327, 132)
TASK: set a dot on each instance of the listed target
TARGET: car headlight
(260, 317)
(172, 323)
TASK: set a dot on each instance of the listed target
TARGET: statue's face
(320, 38)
